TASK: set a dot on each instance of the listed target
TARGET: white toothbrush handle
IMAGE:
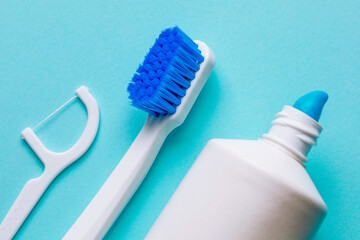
(24, 203)
(105, 207)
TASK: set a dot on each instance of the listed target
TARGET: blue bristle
(162, 79)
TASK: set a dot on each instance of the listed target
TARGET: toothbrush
(166, 86)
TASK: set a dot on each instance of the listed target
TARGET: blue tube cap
(312, 104)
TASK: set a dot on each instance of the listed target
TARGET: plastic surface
(295, 132)
(312, 104)
(108, 203)
(53, 162)
(256, 190)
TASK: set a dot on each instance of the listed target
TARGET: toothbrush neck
(294, 133)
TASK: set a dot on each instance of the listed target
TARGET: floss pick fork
(53, 162)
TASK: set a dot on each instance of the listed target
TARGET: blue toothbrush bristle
(162, 79)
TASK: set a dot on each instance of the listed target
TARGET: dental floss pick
(53, 162)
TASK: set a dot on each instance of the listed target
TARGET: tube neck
(294, 132)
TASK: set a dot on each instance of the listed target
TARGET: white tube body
(240, 189)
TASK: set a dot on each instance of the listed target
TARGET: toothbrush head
(168, 72)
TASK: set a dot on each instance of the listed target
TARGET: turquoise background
(268, 54)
